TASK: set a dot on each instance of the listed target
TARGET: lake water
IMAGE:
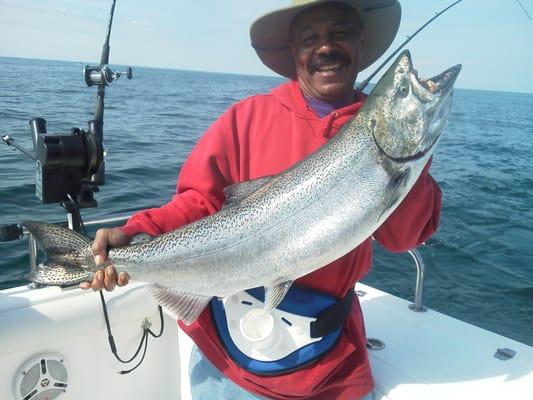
(479, 264)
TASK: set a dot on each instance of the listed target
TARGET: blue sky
(493, 39)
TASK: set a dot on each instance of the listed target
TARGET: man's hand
(108, 277)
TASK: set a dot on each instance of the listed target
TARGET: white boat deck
(426, 355)
(430, 355)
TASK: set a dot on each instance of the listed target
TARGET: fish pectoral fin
(275, 295)
(186, 307)
(238, 191)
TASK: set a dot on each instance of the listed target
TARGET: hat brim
(269, 34)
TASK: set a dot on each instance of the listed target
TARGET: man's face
(326, 44)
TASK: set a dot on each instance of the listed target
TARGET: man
(320, 46)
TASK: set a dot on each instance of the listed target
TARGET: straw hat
(270, 33)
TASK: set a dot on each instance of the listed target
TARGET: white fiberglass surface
(426, 355)
(429, 355)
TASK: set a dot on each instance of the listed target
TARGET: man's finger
(98, 281)
(110, 278)
(99, 246)
(123, 279)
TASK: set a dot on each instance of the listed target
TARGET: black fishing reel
(68, 167)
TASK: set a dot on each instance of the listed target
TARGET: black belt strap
(333, 317)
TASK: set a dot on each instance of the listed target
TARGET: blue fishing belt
(306, 324)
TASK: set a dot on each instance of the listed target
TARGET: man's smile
(330, 67)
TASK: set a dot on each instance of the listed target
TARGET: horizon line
(230, 73)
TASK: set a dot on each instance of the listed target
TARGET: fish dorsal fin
(238, 191)
(186, 307)
(275, 294)
(55, 238)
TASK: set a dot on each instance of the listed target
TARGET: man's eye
(340, 35)
(308, 41)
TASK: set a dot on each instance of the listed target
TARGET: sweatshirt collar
(290, 95)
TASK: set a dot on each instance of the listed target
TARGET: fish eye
(404, 89)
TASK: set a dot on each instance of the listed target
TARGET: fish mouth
(440, 88)
(437, 86)
(435, 94)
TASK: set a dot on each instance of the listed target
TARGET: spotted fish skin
(277, 229)
(58, 275)
(69, 258)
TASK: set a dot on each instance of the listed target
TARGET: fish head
(408, 116)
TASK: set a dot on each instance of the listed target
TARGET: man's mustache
(330, 58)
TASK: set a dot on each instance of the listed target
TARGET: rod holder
(420, 276)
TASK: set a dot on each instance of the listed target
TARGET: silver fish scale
(302, 217)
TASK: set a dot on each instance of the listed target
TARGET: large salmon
(276, 229)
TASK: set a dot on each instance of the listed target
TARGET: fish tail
(57, 275)
(69, 258)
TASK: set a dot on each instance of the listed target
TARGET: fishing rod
(523, 9)
(102, 75)
(363, 84)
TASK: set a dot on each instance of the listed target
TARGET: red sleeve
(210, 167)
(416, 219)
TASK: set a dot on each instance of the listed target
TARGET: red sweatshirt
(264, 135)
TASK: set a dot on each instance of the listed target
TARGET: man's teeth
(331, 67)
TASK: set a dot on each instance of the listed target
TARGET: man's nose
(325, 45)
